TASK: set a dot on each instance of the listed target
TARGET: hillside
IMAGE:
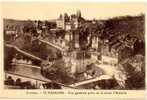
(13, 22)
(133, 25)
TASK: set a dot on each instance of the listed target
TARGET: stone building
(69, 22)
(113, 53)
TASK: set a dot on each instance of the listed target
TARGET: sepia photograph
(82, 46)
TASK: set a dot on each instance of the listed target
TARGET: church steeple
(78, 13)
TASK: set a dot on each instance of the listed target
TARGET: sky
(52, 10)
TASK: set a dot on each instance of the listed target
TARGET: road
(27, 70)
(91, 80)
(31, 73)
(54, 45)
(23, 52)
(108, 69)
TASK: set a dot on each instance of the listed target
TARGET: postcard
(72, 50)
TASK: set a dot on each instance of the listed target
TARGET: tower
(78, 13)
(60, 22)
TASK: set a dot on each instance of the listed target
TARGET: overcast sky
(48, 10)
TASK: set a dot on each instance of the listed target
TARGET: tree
(135, 78)
(9, 53)
(35, 45)
(58, 72)
(89, 29)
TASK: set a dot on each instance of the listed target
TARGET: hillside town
(74, 52)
